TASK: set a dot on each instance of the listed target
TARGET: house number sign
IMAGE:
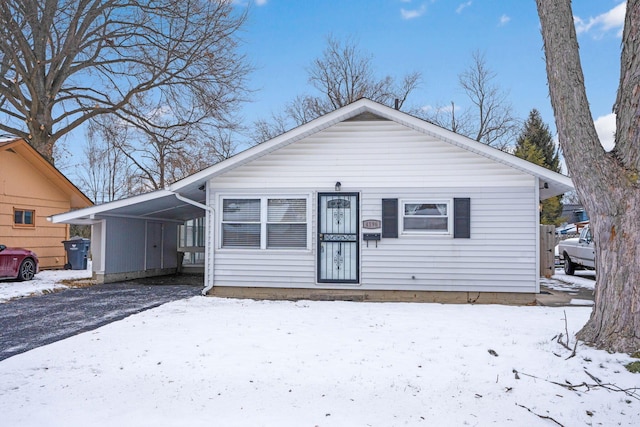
(371, 224)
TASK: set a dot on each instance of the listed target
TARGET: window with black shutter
(462, 218)
(389, 218)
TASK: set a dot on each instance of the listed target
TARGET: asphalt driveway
(28, 323)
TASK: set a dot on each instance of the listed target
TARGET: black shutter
(462, 218)
(390, 218)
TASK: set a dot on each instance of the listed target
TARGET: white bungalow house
(366, 202)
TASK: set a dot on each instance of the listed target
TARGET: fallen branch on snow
(565, 343)
(584, 387)
(544, 417)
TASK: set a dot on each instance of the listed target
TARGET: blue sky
(434, 37)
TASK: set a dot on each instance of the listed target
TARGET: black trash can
(77, 252)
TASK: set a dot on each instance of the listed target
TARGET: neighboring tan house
(365, 202)
(31, 190)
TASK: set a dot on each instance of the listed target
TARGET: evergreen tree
(537, 132)
(535, 144)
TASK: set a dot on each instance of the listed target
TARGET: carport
(138, 236)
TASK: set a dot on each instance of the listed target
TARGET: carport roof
(161, 205)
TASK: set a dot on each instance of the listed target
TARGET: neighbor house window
(24, 217)
(426, 217)
(266, 223)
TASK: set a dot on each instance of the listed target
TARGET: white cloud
(463, 6)
(504, 19)
(437, 110)
(260, 2)
(413, 13)
(610, 20)
(606, 129)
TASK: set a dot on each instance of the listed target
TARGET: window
(191, 235)
(287, 223)
(24, 218)
(426, 217)
(264, 223)
(241, 223)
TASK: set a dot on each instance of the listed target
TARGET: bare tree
(264, 130)
(342, 75)
(65, 62)
(607, 183)
(489, 119)
(446, 116)
(345, 74)
(201, 152)
(108, 175)
(159, 155)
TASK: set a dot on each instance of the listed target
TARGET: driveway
(28, 323)
(563, 291)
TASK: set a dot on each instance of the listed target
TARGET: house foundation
(443, 297)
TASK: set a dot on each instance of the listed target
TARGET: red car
(17, 263)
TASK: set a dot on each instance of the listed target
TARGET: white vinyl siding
(499, 256)
(383, 159)
(370, 155)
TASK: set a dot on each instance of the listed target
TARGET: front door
(338, 243)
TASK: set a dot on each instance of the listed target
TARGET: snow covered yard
(209, 361)
(44, 282)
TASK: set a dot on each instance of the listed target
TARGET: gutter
(192, 202)
(211, 211)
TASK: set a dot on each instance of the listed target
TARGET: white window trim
(263, 219)
(449, 232)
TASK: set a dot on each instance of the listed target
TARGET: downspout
(211, 212)
(537, 233)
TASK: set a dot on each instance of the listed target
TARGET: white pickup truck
(578, 252)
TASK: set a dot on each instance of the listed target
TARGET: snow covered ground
(210, 361)
(43, 282)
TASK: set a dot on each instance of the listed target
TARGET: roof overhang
(161, 205)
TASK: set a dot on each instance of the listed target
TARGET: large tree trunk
(40, 137)
(607, 183)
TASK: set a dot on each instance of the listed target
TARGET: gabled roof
(20, 146)
(556, 183)
(192, 186)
